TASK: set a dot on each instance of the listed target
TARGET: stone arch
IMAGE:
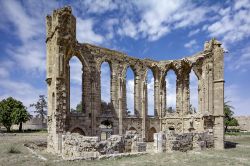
(151, 132)
(131, 128)
(78, 130)
(106, 129)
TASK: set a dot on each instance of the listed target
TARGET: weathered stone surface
(171, 141)
(62, 45)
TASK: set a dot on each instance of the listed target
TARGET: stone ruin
(208, 65)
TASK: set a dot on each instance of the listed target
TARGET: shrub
(14, 150)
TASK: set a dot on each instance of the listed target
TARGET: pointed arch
(151, 132)
(75, 73)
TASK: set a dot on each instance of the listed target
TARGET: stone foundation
(170, 141)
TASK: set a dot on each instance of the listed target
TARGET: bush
(14, 150)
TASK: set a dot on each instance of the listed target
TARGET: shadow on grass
(230, 145)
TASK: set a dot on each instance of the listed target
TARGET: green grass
(234, 156)
(237, 133)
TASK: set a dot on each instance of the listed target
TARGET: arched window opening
(130, 92)
(105, 87)
(150, 93)
(75, 67)
(132, 129)
(193, 93)
(151, 132)
(171, 91)
(78, 130)
(106, 128)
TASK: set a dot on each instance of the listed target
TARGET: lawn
(13, 152)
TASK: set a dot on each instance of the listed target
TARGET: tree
(20, 116)
(79, 107)
(170, 110)
(12, 111)
(41, 107)
(192, 109)
(229, 119)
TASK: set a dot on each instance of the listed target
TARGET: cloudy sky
(160, 30)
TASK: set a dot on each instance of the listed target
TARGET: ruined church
(93, 122)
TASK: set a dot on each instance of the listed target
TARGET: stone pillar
(186, 94)
(114, 88)
(60, 34)
(137, 95)
(157, 95)
(122, 84)
(144, 104)
(179, 93)
(218, 95)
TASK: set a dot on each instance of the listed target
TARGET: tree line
(13, 111)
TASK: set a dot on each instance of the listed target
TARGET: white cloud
(161, 17)
(193, 90)
(190, 44)
(239, 102)
(85, 32)
(150, 89)
(233, 23)
(30, 56)
(3, 72)
(171, 89)
(26, 26)
(99, 6)
(240, 59)
(128, 29)
(105, 82)
(20, 90)
(193, 32)
(130, 95)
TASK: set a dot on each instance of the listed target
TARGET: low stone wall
(169, 141)
(76, 146)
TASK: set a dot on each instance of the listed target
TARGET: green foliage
(12, 111)
(41, 107)
(170, 110)
(192, 109)
(106, 106)
(79, 107)
(229, 119)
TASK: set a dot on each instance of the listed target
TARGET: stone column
(179, 93)
(114, 88)
(186, 94)
(144, 102)
(122, 84)
(60, 35)
(218, 95)
(137, 95)
(157, 95)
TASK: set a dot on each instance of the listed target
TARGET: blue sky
(160, 30)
